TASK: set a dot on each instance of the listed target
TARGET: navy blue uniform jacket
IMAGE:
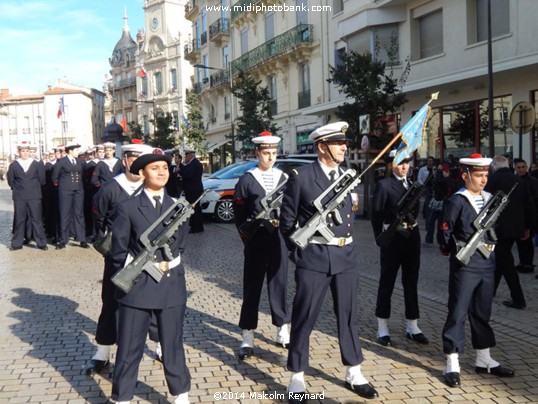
(101, 173)
(26, 185)
(191, 179)
(68, 176)
(304, 185)
(132, 217)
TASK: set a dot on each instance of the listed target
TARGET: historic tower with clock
(162, 73)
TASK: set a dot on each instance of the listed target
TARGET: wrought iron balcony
(203, 38)
(241, 6)
(303, 98)
(191, 9)
(192, 49)
(219, 78)
(197, 87)
(300, 35)
(219, 27)
(130, 82)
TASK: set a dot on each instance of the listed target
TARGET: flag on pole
(413, 132)
(142, 72)
(60, 108)
(185, 121)
(123, 123)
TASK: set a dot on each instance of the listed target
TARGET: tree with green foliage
(164, 137)
(462, 127)
(375, 90)
(256, 106)
(135, 129)
(194, 133)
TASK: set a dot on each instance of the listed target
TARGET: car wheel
(224, 212)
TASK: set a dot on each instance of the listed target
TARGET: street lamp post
(232, 115)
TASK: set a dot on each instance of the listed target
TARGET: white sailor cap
(476, 162)
(188, 150)
(109, 144)
(135, 148)
(266, 140)
(331, 132)
(71, 145)
(24, 144)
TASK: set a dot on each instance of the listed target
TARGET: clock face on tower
(154, 23)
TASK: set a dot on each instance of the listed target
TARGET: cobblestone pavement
(50, 301)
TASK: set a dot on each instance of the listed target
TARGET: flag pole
(394, 139)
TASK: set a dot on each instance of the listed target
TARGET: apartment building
(446, 42)
(281, 48)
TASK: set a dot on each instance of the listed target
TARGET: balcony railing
(219, 78)
(203, 38)
(192, 47)
(303, 98)
(190, 7)
(131, 81)
(301, 34)
(221, 26)
(198, 87)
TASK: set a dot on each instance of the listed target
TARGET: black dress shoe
(245, 352)
(43, 247)
(15, 248)
(95, 366)
(385, 340)
(514, 305)
(499, 371)
(420, 338)
(84, 245)
(363, 390)
(60, 246)
(452, 379)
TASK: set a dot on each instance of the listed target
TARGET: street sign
(522, 117)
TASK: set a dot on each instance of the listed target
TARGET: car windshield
(238, 171)
(218, 174)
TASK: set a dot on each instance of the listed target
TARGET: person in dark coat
(323, 265)
(403, 251)
(191, 172)
(442, 189)
(174, 187)
(67, 177)
(120, 188)
(25, 177)
(471, 287)
(107, 168)
(525, 247)
(265, 251)
(166, 300)
(514, 223)
(89, 192)
(50, 200)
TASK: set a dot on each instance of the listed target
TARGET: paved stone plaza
(50, 301)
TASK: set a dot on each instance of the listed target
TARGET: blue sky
(42, 41)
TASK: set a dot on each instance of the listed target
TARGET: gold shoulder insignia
(294, 171)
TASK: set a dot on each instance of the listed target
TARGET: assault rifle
(404, 212)
(342, 187)
(172, 219)
(270, 203)
(484, 222)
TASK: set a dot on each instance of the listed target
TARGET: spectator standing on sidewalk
(525, 247)
(442, 187)
(514, 223)
(423, 173)
(470, 287)
(265, 251)
(191, 172)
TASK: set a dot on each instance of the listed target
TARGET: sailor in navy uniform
(26, 176)
(107, 168)
(265, 251)
(403, 251)
(118, 189)
(323, 265)
(67, 176)
(166, 300)
(471, 287)
(50, 199)
(191, 172)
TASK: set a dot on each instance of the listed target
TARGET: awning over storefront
(211, 147)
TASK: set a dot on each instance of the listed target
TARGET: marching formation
(127, 208)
